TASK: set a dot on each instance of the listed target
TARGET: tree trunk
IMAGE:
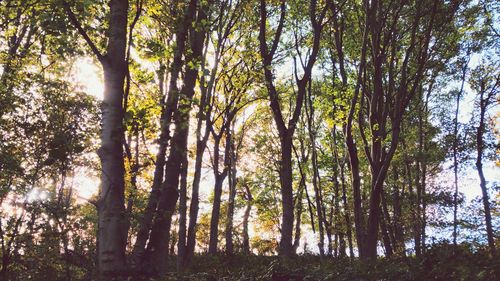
(214, 220)
(352, 152)
(337, 217)
(201, 144)
(385, 228)
(299, 207)
(479, 166)
(423, 220)
(285, 131)
(157, 249)
(159, 238)
(167, 112)
(286, 179)
(181, 244)
(232, 191)
(356, 188)
(316, 184)
(246, 216)
(112, 220)
(219, 180)
(347, 215)
(455, 152)
(417, 224)
(397, 220)
(194, 204)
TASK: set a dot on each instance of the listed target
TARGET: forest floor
(439, 263)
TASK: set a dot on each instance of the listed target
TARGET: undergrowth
(442, 262)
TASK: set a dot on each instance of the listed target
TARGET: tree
(286, 131)
(485, 81)
(113, 223)
(383, 102)
(157, 249)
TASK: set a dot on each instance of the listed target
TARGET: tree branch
(78, 26)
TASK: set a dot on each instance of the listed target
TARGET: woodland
(249, 140)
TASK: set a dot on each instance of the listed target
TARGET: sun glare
(85, 185)
(89, 76)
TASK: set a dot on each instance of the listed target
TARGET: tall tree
(157, 248)
(383, 102)
(485, 81)
(169, 106)
(286, 131)
(113, 223)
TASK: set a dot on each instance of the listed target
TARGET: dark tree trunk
(316, 180)
(219, 180)
(232, 191)
(299, 207)
(246, 216)
(385, 228)
(168, 109)
(286, 179)
(181, 244)
(201, 144)
(157, 250)
(301, 161)
(335, 219)
(397, 220)
(484, 102)
(195, 191)
(214, 219)
(455, 152)
(352, 152)
(286, 131)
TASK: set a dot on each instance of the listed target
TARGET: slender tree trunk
(316, 184)
(397, 221)
(379, 173)
(423, 222)
(168, 109)
(385, 237)
(159, 238)
(423, 181)
(219, 180)
(181, 244)
(299, 207)
(455, 153)
(301, 161)
(417, 224)
(232, 192)
(352, 152)
(347, 215)
(337, 218)
(201, 144)
(246, 216)
(356, 187)
(479, 166)
(385, 228)
(412, 198)
(286, 131)
(214, 220)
